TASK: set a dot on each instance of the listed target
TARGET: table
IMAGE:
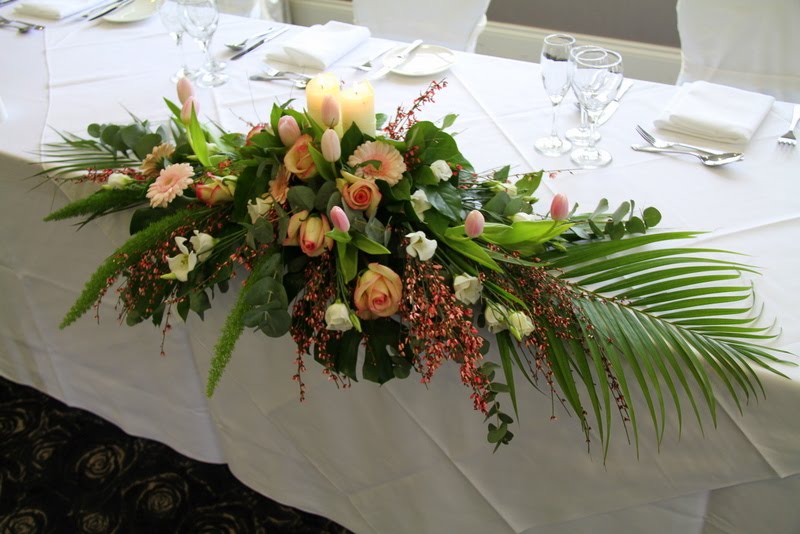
(397, 458)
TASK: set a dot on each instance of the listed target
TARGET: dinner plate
(133, 12)
(425, 60)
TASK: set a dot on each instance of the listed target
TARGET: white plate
(133, 12)
(425, 60)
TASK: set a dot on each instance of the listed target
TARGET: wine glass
(169, 11)
(580, 135)
(597, 75)
(199, 18)
(556, 72)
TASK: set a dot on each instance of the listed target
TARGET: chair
(753, 45)
(455, 24)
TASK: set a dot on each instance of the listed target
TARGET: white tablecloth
(398, 458)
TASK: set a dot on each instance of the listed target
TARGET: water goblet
(580, 135)
(597, 75)
(556, 71)
(169, 11)
(199, 18)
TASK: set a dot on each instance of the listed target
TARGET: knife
(614, 104)
(394, 61)
(110, 9)
(255, 45)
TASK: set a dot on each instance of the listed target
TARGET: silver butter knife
(258, 43)
(394, 61)
(110, 9)
(614, 104)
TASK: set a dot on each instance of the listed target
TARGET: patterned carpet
(64, 470)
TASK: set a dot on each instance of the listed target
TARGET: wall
(647, 21)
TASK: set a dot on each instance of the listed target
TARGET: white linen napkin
(715, 112)
(319, 47)
(53, 9)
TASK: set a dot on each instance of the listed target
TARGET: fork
(367, 65)
(28, 25)
(243, 44)
(271, 72)
(788, 138)
(658, 143)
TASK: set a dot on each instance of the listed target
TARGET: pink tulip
(288, 130)
(331, 148)
(330, 111)
(559, 208)
(339, 219)
(473, 225)
(185, 90)
(186, 111)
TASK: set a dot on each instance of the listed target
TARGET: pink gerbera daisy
(170, 183)
(390, 162)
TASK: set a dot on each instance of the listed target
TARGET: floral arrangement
(383, 254)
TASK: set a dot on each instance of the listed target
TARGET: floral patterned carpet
(64, 470)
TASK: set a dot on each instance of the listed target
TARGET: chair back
(750, 44)
(455, 24)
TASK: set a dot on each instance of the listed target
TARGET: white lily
(202, 244)
(181, 264)
(419, 246)
(419, 201)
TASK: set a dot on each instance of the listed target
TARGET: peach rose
(362, 195)
(214, 192)
(298, 160)
(378, 292)
(308, 232)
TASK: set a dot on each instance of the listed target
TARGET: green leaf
(197, 139)
(651, 217)
(529, 183)
(367, 245)
(301, 197)
(445, 199)
(325, 169)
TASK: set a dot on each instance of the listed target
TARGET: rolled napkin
(53, 9)
(319, 47)
(715, 112)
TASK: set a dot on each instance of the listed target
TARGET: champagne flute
(169, 11)
(580, 135)
(556, 72)
(597, 75)
(199, 18)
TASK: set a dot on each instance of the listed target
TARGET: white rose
(468, 288)
(202, 244)
(495, 317)
(523, 217)
(511, 189)
(259, 209)
(420, 246)
(117, 181)
(337, 317)
(419, 201)
(441, 170)
(520, 325)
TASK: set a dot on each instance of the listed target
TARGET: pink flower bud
(559, 208)
(330, 111)
(473, 225)
(339, 219)
(288, 130)
(185, 90)
(186, 111)
(331, 148)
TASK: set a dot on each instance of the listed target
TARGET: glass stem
(584, 118)
(592, 128)
(553, 129)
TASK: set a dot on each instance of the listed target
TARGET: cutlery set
(20, 25)
(260, 39)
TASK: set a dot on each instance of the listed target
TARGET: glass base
(185, 72)
(212, 79)
(552, 145)
(590, 157)
(580, 136)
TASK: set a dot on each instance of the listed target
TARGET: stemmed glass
(556, 79)
(580, 135)
(199, 18)
(597, 75)
(169, 11)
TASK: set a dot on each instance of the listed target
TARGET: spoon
(711, 160)
(300, 84)
(243, 44)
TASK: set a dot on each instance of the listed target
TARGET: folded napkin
(53, 9)
(319, 47)
(715, 112)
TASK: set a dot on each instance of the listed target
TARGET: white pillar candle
(358, 106)
(318, 88)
